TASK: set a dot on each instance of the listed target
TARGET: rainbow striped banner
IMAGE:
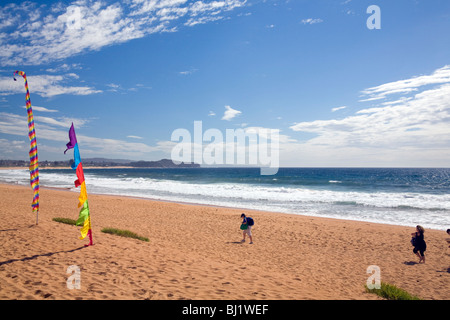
(84, 217)
(34, 162)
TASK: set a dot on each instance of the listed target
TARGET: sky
(344, 85)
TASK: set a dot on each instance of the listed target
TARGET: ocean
(406, 197)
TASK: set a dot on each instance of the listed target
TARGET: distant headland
(102, 162)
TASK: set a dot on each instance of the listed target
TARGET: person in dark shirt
(420, 245)
(448, 239)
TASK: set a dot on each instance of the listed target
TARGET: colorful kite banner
(84, 217)
(34, 163)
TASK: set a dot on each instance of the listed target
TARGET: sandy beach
(194, 252)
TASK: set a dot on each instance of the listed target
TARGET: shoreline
(195, 252)
(229, 208)
(220, 206)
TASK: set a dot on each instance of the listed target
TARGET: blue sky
(129, 73)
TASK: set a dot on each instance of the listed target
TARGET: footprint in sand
(45, 295)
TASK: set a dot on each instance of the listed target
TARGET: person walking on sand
(246, 226)
(419, 243)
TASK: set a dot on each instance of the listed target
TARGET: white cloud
(64, 68)
(422, 122)
(63, 122)
(311, 21)
(202, 20)
(113, 87)
(120, 89)
(135, 137)
(230, 113)
(338, 108)
(266, 133)
(50, 130)
(211, 114)
(73, 75)
(117, 147)
(9, 147)
(62, 31)
(17, 124)
(13, 124)
(44, 85)
(214, 7)
(441, 75)
(41, 109)
(188, 72)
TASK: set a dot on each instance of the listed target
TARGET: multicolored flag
(84, 217)
(34, 162)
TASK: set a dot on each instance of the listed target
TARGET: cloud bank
(35, 34)
(44, 85)
(417, 126)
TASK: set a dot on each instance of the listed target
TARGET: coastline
(55, 168)
(409, 220)
(195, 252)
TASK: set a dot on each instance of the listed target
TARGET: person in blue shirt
(247, 221)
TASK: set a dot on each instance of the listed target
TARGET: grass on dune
(124, 233)
(118, 232)
(65, 220)
(392, 292)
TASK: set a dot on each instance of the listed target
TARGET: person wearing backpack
(246, 226)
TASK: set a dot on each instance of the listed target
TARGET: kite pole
(34, 162)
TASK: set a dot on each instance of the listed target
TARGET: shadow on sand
(17, 229)
(410, 263)
(39, 255)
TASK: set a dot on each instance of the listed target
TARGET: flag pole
(84, 217)
(33, 153)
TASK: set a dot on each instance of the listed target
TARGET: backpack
(250, 221)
